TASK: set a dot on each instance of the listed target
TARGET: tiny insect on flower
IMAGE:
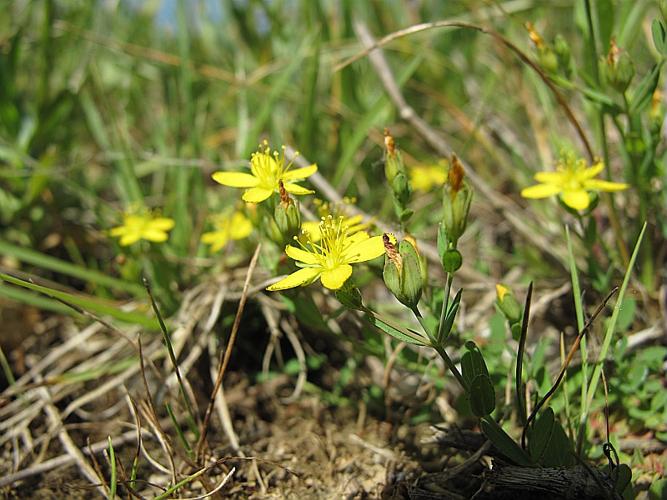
(228, 227)
(267, 170)
(572, 182)
(142, 226)
(330, 258)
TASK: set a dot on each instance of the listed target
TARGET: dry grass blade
(227, 353)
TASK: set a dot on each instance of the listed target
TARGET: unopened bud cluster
(553, 57)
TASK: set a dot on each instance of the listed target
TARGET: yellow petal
(301, 255)
(549, 177)
(598, 185)
(240, 227)
(354, 220)
(334, 278)
(217, 239)
(579, 199)
(301, 277)
(299, 173)
(355, 238)
(129, 238)
(118, 231)
(296, 189)
(313, 230)
(161, 223)
(365, 250)
(256, 194)
(501, 291)
(235, 179)
(155, 235)
(540, 191)
(592, 171)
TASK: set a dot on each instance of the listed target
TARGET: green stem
(441, 350)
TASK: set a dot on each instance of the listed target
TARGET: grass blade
(28, 256)
(87, 303)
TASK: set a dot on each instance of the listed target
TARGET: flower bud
(287, 215)
(393, 163)
(563, 53)
(656, 113)
(401, 188)
(508, 304)
(404, 272)
(547, 59)
(618, 69)
(456, 202)
(452, 260)
(545, 54)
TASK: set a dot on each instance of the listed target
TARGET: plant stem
(441, 350)
(452, 367)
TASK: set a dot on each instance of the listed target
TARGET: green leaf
(472, 363)
(597, 97)
(547, 442)
(539, 435)
(626, 316)
(623, 478)
(482, 396)
(87, 303)
(658, 490)
(644, 91)
(504, 442)
(402, 334)
(450, 316)
(443, 241)
(658, 32)
(605, 21)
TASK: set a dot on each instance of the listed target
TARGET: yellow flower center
(268, 167)
(334, 240)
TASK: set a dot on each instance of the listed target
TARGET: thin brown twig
(227, 353)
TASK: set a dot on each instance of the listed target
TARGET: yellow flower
(330, 258)
(354, 223)
(425, 177)
(227, 227)
(572, 181)
(501, 291)
(267, 170)
(142, 226)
